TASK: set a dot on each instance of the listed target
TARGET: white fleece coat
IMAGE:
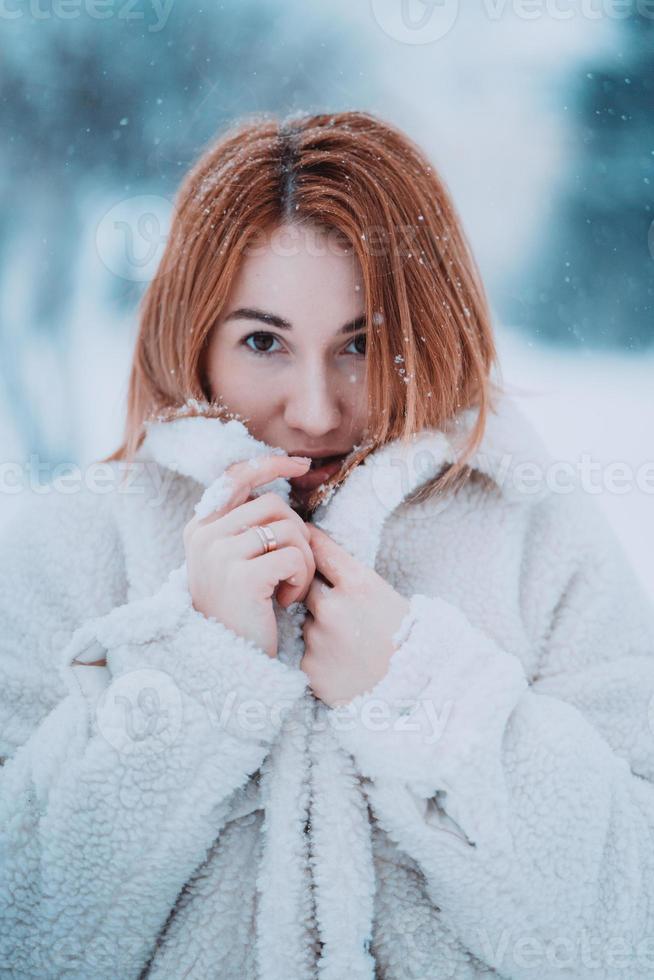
(191, 810)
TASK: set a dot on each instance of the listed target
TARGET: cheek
(354, 389)
(362, 417)
(237, 384)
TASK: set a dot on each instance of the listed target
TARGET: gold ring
(267, 536)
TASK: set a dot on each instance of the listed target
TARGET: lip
(314, 477)
(318, 454)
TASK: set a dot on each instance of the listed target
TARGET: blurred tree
(593, 279)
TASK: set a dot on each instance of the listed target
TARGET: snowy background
(539, 115)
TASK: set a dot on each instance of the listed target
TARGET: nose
(313, 403)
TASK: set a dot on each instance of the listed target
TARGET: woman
(388, 717)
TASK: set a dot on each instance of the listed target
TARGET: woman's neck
(301, 509)
(304, 512)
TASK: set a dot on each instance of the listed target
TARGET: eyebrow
(247, 313)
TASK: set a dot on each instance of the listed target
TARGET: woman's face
(288, 354)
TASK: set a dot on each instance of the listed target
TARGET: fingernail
(302, 459)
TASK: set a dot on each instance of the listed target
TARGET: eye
(259, 334)
(362, 337)
(264, 336)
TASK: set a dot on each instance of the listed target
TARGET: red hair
(425, 303)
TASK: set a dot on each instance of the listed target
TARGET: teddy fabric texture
(191, 809)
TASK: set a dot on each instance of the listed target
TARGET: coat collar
(202, 447)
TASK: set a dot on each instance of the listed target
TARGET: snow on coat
(190, 809)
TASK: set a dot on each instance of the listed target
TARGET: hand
(230, 577)
(348, 634)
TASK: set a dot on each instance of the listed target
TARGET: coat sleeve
(527, 801)
(115, 779)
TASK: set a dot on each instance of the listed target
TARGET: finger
(318, 590)
(262, 510)
(297, 591)
(292, 591)
(249, 543)
(289, 530)
(332, 561)
(277, 566)
(242, 478)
